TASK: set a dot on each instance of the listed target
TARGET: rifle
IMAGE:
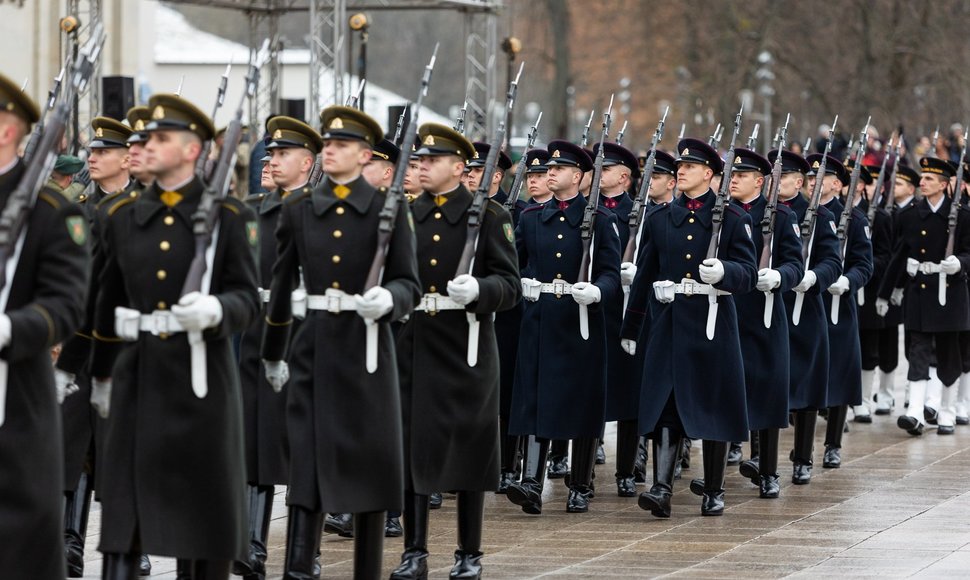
(619, 136)
(843, 230)
(220, 98)
(35, 135)
(715, 139)
(889, 200)
(460, 121)
(957, 198)
(354, 99)
(400, 125)
(771, 214)
(392, 204)
(589, 219)
(808, 223)
(753, 139)
(521, 168)
(933, 143)
(877, 190)
(640, 200)
(808, 144)
(723, 192)
(178, 89)
(589, 123)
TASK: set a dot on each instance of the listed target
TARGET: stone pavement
(898, 507)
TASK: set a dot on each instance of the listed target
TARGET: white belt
(689, 288)
(159, 322)
(264, 295)
(333, 301)
(434, 302)
(929, 268)
(666, 290)
(558, 288)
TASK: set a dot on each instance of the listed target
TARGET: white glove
(882, 306)
(768, 279)
(711, 270)
(197, 312)
(808, 280)
(126, 323)
(628, 271)
(897, 297)
(5, 329)
(375, 303)
(101, 396)
(951, 265)
(530, 289)
(585, 293)
(629, 346)
(912, 267)
(463, 289)
(277, 373)
(64, 384)
(840, 287)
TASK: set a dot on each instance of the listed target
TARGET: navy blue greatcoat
(882, 251)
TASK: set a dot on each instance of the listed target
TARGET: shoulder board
(112, 197)
(254, 197)
(298, 196)
(54, 198)
(233, 204)
(230, 207)
(494, 207)
(82, 198)
(602, 211)
(858, 213)
(734, 209)
(121, 203)
(533, 208)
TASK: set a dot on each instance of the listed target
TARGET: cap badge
(476, 155)
(278, 134)
(685, 152)
(737, 160)
(158, 113)
(139, 125)
(99, 133)
(337, 123)
(556, 154)
(535, 161)
(10, 106)
(815, 165)
(429, 140)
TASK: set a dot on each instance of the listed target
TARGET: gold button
(340, 211)
(559, 236)
(562, 218)
(335, 259)
(335, 285)
(559, 254)
(161, 274)
(437, 215)
(436, 238)
(432, 288)
(923, 233)
(687, 275)
(559, 276)
(164, 246)
(169, 220)
(922, 250)
(133, 194)
(691, 220)
(922, 286)
(163, 335)
(337, 233)
(162, 306)
(687, 256)
(689, 237)
(434, 262)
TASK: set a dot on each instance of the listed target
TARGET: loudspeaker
(393, 114)
(117, 96)
(295, 108)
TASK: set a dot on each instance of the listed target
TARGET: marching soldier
(138, 118)
(108, 163)
(172, 475)
(450, 384)
(332, 398)
(292, 149)
(845, 357)
(536, 176)
(560, 379)
(937, 306)
(680, 397)
(43, 305)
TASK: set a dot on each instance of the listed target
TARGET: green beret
(173, 113)
(339, 122)
(68, 165)
(13, 100)
(439, 139)
(290, 132)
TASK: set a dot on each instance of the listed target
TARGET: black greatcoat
(766, 350)
(882, 252)
(845, 360)
(264, 411)
(45, 305)
(809, 339)
(344, 423)
(173, 470)
(451, 410)
(706, 376)
(560, 380)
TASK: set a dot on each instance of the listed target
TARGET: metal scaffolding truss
(327, 40)
(88, 104)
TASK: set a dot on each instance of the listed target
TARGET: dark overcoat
(881, 231)
(507, 325)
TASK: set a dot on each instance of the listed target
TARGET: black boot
(468, 556)
(210, 569)
(755, 445)
(528, 492)
(558, 457)
(735, 454)
(144, 566)
(666, 455)
(627, 443)
(833, 437)
(340, 524)
(414, 561)
(715, 461)
(260, 512)
(368, 545)
(183, 569)
(803, 445)
(581, 476)
(640, 466)
(768, 463)
(509, 448)
(750, 467)
(600, 453)
(119, 566)
(76, 509)
(302, 542)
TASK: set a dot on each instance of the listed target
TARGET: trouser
(627, 444)
(880, 348)
(947, 350)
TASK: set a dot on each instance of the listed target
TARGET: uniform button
(434, 262)
(691, 220)
(169, 220)
(161, 274)
(559, 276)
(436, 238)
(922, 286)
(559, 236)
(687, 256)
(689, 237)
(922, 233)
(922, 250)
(340, 211)
(164, 246)
(335, 285)
(161, 305)
(559, 254)
(432, 288)
(437, 215)
(562, 218)
(335, 259)
(687, 275)
(163, 336)
(337, 233)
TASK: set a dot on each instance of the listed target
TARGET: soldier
(138, 117)
(291, 150)
(937, 306)
(342, 469)
(560, 379)
(536, 176)
(108, 164)
(450, 385)
(172, 475)
(412, 186)
(43, 304)
(681, 397)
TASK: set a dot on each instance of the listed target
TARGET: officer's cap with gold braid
(290, 132)
(386, 151)
(937, 166)
(832, 166)
(13, 100)
(696, 151)
(138, 119)
(173, 113)
(437, 139)
(907, 174)
(535, 161)
(565, 153)
(349, 124)
(109, 134)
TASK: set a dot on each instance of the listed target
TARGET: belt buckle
(160, 323)
(689, 286)
(558, 288)
(333, 304)
(431, 305)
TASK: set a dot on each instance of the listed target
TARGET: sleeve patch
(78, 229)
(747, 229)
(507, 228)
(252, 233)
